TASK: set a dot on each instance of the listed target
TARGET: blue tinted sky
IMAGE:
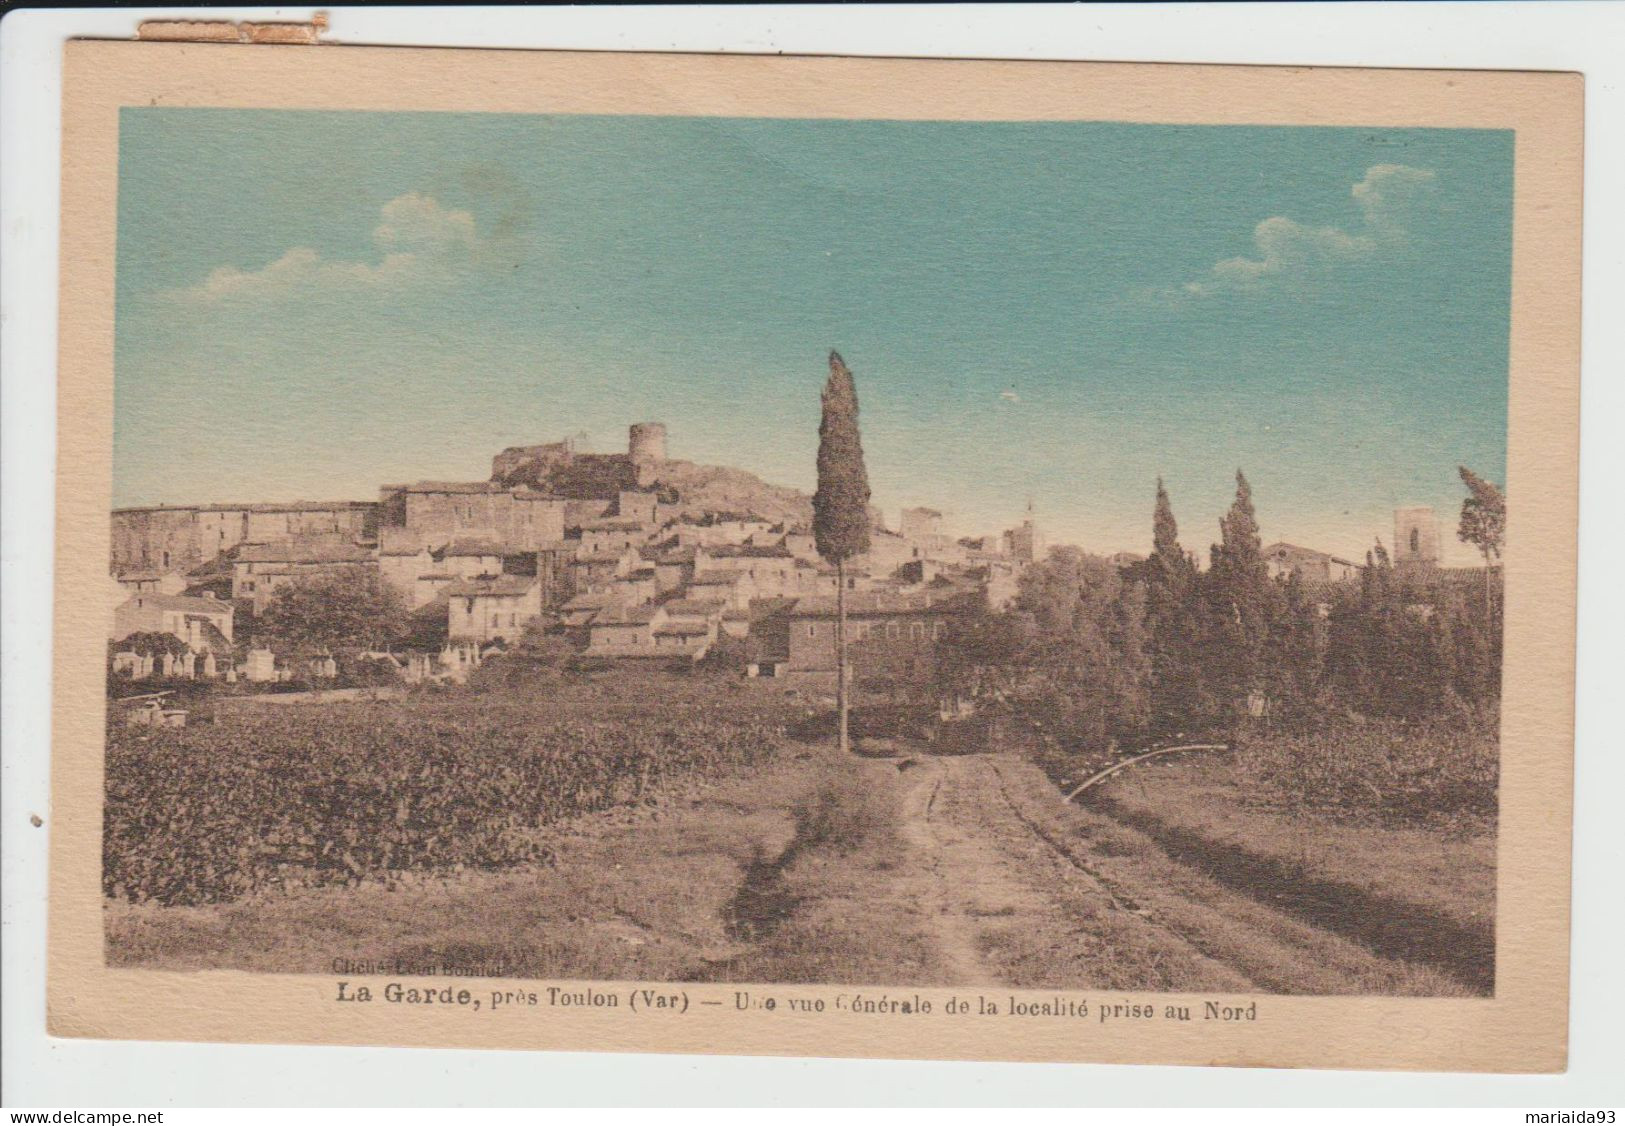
(311, 304)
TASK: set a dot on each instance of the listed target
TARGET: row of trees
(1166, 646)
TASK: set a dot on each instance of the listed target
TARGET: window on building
(894, 629)
(1416, 541)
(936, 631)
(916, 630)
(812, 629)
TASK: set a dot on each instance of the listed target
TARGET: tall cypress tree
(840, 507)
(1170, 578)
(1240, 596)
(1165, 547)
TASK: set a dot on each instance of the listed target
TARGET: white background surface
(42, 1072)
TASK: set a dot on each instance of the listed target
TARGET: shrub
(367, 672)
(843, 815)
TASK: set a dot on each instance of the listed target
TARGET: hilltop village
(630, 557)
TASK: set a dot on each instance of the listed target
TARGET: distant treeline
(1163, 646)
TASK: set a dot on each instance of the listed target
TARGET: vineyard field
(334, 793)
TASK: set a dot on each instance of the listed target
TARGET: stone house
(887, 552)
(733, 588)
(698, 611)
(635, 587)
(436, 512)
(890, 637)
(680, 628)
(624, 631)
(611, 536)
(203, 624)
(537, 519)
(412, 572)
(597, 574)
(796, 541)
(468, 558)
(1416, 537)
(920, 524)
(420, 573)
(684, 638)
(674, 567)
(269, 523)
(1285, 559)
(492, 607)
(723, 533)
(773, 571)
(167, 538)
(261, 569)
(580, 611)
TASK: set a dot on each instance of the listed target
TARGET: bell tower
(1416, 537)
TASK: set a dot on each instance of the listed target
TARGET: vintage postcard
(973, 560)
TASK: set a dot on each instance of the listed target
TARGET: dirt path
(1020, 889)
(960, 873)
(1004, 904)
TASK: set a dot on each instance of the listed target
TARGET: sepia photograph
(1057, 561)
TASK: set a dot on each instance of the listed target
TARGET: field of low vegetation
(1440, 772)
(338, 793)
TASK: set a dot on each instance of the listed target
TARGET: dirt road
(1021, 889)
(1006, 901)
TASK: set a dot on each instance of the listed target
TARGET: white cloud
(416, 223)
(1010, 396)
(417, 240)
(1389, 197)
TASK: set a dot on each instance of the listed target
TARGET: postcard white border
(1545, 36)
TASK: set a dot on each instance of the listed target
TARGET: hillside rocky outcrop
(688, 488)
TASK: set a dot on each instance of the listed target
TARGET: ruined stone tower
(1416, 537)
(646, 442)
